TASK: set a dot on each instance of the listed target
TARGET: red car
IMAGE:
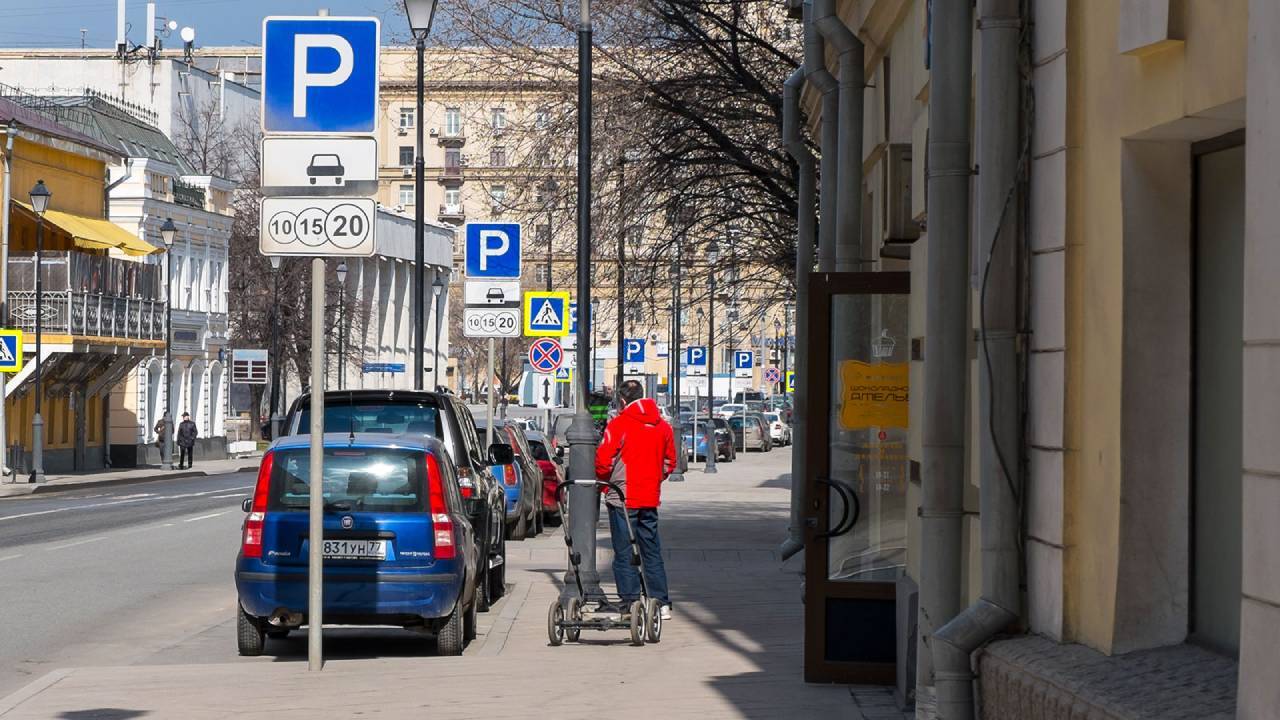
(552, 475)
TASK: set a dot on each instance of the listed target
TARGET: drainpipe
(106, 193)
(849, 57)
(815, 68)
(999, 28)
(11, 132)
(806, 222)
(946, 361)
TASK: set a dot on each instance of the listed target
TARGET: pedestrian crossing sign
(546, 314)
(564, 375)
(10, 350)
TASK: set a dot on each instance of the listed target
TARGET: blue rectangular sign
(695, 355)
(493, 250)
(634, 350)
(383, 367)
(743, 359)
(320, 74)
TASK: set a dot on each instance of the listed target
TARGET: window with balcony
(453, 201)
(406, 195)
(498, 156)
(498, 118)
(406, 155)
(407, 116)
(452, 161)
(452, 122)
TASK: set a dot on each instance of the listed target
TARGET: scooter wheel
(637, 623)
(555, 616)
(653, 628)
(574, 614)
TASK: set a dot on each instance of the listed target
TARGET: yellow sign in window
(10, 350)
(873, 395)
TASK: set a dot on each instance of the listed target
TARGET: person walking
(187, 433)
(637, 453)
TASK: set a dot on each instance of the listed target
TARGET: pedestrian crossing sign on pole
(564, 375)
(546, 314)
(10, 350)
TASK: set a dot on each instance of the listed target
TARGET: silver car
(750, 426)
(779, 432)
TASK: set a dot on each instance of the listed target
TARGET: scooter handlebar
(588, 483)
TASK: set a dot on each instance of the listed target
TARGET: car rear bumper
(350, 593)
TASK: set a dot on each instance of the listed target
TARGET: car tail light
(251, 541)
(466, 484)
(509, 475)
(441, 521)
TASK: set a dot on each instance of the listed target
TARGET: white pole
(489, 399)
(315, 508)
(120, 40)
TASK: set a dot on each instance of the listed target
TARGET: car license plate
(355, 549)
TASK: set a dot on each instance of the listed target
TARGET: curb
(111, 482)
(32, 689)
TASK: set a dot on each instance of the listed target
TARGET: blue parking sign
(743, 359)
(493, 250)
(634, 350)
(320, 74)
(695, 355)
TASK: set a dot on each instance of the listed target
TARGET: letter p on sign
(489, 248)
(303, 78)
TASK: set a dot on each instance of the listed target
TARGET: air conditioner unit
(408, 171)
(402, 131)
(435, 132)
(653, 336)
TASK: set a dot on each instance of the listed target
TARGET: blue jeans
(645, 524)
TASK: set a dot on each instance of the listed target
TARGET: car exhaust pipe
(284, 618)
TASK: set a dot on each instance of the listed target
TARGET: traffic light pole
(584, 500)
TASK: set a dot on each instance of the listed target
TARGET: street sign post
(791, 381)
(546, 314)
(772, 375)
(695, 360)
(633, 356)
(743, 363)
(564, 375)
(492, 250)
(545, 355)
(10, 350)
(490, 322)
(377, 367)
(309, 165)
(544, 391)
(319, 78)
(491, 293)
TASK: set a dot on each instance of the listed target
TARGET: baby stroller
(567, 621)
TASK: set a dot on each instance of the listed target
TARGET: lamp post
(277, 420)
(342, 325)
(786, 346)
(167, 232)
(437, 289)
(713, 257)
(40, 196)
(420, 14)
(777, 332)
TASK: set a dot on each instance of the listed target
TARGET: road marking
(78, 542)
(223, 497)
(10, 557)
(139, 497)
(206, 517)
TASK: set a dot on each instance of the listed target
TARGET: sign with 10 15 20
(302, 226)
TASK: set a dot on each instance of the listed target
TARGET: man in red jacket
(637, 453)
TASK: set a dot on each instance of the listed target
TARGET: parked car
(743, 396)
(552, 475)
(783, 406)
(779, 432)
(398, 547)
(447, 419)
(751, 426)
(730, 409)
(522, 480)
(696, 443)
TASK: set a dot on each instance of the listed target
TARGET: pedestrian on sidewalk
(637, 453)
(187, 433)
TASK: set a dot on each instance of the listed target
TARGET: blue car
(398, 547)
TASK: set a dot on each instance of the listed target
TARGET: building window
(638, 275)
(543, 235)
(498, 196)
(498, 156)
(541, 273)
(406, 195)
(452, 159)
(407, 116)
(452, 122)
(541, 118)
(453, 200)
(406, 155)
(542, 158)
(498, 118)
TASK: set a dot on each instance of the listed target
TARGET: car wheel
(498, 575)
(521, 529)
(482, 583)
(249, 635)
(535, 517)
(469, 622)
(449, 635)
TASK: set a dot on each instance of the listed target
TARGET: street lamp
(713, 257)
(39, 202)
(167, 232)
(342, 325)
(420, 13)
(437, 289)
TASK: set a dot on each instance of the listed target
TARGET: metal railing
(66, 312)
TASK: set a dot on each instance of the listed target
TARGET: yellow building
(102, 311)
(1147, 352)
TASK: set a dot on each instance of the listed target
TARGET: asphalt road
(114, 575)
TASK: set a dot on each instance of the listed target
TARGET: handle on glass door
(849, 502)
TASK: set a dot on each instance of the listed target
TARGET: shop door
(855, 492)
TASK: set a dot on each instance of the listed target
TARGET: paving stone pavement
(733, 650)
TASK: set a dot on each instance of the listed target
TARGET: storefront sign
(873, 394)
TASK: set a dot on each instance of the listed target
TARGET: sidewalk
(733, 650)
(123, 476)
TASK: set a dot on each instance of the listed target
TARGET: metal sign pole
(315, 508)
(490, 399)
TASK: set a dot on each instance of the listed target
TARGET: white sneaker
(665, 612)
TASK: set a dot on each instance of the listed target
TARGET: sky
(57, 23)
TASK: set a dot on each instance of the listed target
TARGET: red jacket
(638, 452)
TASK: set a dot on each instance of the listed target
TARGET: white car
(779, 431)
(728, 410)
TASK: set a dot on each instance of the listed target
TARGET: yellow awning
(96, 233)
